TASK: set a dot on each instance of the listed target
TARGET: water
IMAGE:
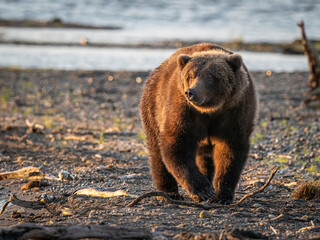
(215, 20)
(79, 58)
(143, 21)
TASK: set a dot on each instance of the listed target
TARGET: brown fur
(198, 110)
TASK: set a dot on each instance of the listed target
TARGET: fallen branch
(20, 139)
(100, 193)
(207, 206)
(313, 62)
(35, 231)
(27, 204)
(26, 172)
(169, 200)
(258, 190)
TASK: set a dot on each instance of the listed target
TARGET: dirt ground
(89, 125)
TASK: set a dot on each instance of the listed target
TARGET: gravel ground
(92, 129)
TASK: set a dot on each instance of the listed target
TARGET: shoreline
(54, 23)
(293, 47)
(143, 72)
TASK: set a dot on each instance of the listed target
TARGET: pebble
(205, 214)
(16, 214)
(65, 175)
(257, 205)
(47, 198)
(131, 176)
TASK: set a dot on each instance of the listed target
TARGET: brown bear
(198, 110)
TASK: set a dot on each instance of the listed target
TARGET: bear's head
(212, 80)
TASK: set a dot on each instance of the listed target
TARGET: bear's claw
(203, 195)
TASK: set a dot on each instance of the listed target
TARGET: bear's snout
(190, 94)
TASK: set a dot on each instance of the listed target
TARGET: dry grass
(307, 191)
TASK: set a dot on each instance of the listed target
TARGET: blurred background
(140, 34)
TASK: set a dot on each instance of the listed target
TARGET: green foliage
(282, 161)
(256, 138)
(5, 96)
(305, 151)
(266, 161)
(119, 123)
(284, 122)
(101, 137)
(293, 129)
(47, 121)
(141, 135)
(26, 85)
(142, 153)
(307, 191)
(312, 169)
(264, 124)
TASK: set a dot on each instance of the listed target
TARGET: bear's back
(168, 67)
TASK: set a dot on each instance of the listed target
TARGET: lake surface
(77, 58)
(143, 21)
(214, 20)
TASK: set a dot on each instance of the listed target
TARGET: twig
(168, 200)
(258, 190)
(276, 218)
(274, 230)
(5, 205)
(27, 204)
(198, 205)
(306, 228)
(273, 219)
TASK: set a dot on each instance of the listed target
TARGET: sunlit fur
(203, 148)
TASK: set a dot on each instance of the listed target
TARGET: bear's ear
(183, 60)
(235, 61)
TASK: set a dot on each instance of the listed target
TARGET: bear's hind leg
(229, 160)
(204, 161)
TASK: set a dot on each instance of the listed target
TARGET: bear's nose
(190, 94)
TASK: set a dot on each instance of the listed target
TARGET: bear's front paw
(175, 196)
(225, 198)
(203, 195)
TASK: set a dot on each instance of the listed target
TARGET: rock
(132, 176)
(47, 198)
(65, 175)
(16, 214)
(205, 214)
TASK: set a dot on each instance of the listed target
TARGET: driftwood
(35, 231)
(314, 64)
(27, 204)
(169, 200)
(258, 190)
(26, 172)
(207, 206)
(233, 234)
